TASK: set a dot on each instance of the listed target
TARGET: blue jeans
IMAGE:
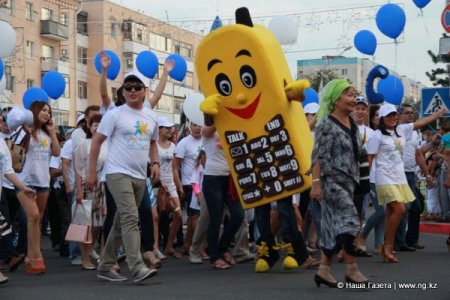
(74, 247)
(400, 236)
(215, 190)
(376, 220)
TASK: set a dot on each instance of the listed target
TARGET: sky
(325, 27)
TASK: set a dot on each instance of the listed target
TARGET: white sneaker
(159, 254)
(111, 275)
(94, 255)
(143, 274)
(194, 257)
(76, 261)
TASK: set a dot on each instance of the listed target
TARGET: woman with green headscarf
(335, 174)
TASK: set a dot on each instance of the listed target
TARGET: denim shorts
(38, 189)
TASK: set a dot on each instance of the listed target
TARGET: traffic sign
(433, 99)
(445, 18)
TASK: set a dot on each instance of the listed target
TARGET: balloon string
(395, 55)
(427, 30)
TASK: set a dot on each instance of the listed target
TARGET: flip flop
(173, 253)
(220, 264)
(362, 253)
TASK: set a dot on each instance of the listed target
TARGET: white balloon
(8, 35)
(2, 84)
(191, 108)
(285, 29)
(15, 118)
(28, 118)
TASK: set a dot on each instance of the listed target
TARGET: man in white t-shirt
(412, 155)
(131, 130)
(186, 155)
(360, 115)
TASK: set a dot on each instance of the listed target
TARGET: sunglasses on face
(136, 87)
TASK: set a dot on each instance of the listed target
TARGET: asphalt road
(178, 279)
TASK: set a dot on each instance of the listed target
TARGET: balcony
(54, 30)
(48, 64)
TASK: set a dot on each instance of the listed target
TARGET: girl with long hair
(42, 144)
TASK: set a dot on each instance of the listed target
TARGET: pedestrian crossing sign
(433, 99)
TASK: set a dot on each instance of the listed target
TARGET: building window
(46, 14)
(188, 80)
(178, 102)
(10, 80)
(67, 89)
(82, 55)
(30, 83)
(11, 5)
(82, 19)
(114, 94)
(157, 42)
(48, 52)
(128, 60)
(114, 29)
(182, 49)
(29, 12)
(30, 49)
(82, 90)
(139, 33)
(64, 19)
(64, 54)
(344, 72)
(164, 103)
(60, 117)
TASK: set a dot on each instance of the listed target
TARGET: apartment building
(356, 69)
(65, 35)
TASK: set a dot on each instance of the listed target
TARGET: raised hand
(210, 105)
(105, 60)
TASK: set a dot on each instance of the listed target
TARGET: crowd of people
(139, 177)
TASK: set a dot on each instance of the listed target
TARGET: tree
(324, 75)
(439, 76)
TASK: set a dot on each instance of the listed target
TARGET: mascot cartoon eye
(223, 84)
(248, 76)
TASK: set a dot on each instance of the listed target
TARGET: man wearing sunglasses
(107, 104)
(132, 132)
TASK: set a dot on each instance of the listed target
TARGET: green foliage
(440, 75)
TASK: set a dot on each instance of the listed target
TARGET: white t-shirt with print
(166, 157)
(129, 132)
(389, 152)
(188, 150)
(112, 105)
(365, 133)
(36, 170)
(216, 164)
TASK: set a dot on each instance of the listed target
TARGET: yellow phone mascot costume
(250, 97)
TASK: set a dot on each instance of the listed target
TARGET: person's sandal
(220, 264)
(228, 258)
(173, 254)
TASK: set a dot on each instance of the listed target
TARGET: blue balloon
(217, 23)
(179, 70)
(1, 69)
(34, 94)
(376, 72)
(114, 67)
(366, 42)
(392, 89)
(311, 96)
(147, 63)
(391, 20)
(421, 3)
(53, 84)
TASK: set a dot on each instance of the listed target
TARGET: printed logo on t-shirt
(40, 150)
(398, 150)
(140, 140)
